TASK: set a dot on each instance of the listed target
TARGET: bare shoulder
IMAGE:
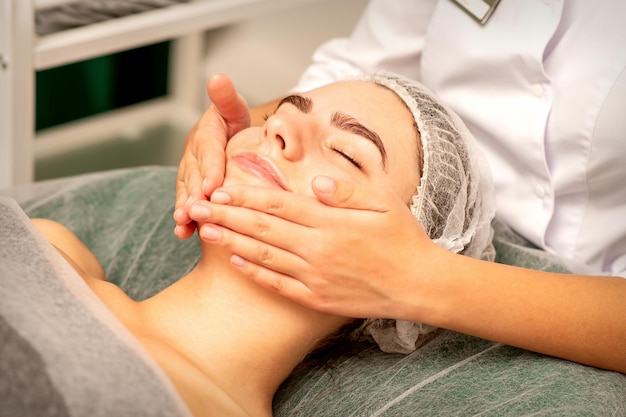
(71, 247)
(201, 392)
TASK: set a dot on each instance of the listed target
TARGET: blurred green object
(86, 88)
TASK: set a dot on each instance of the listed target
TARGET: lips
(253, 163)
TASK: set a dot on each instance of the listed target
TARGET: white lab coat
(542, 86)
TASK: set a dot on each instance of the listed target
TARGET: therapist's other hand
(347, 253)
(201, 167)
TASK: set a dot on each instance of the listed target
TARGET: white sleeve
(389, 36)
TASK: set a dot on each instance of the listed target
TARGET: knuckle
(276, 284)
(262, 227)
(322, 303)
(275, 204)
(272, 281)
(265, 256)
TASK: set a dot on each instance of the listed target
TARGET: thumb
(228, 102)
(338, 193)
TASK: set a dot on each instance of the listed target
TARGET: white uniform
(542, 86)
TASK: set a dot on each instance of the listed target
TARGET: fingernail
(220, 197)
(237, 261)
(210, 234)
(199, 212)
(324, 184)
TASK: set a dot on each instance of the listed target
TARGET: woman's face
(354, 130)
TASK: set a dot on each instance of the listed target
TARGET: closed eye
(349, 158)
(351, 125)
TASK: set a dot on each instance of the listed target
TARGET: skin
(207, 330)
(398, 272)
(201, 167)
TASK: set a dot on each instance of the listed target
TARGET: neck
(244, 337)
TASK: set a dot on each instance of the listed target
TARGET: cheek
(403, 182)
(248, 139)
(400, 187)
(407, 187)
(232, 176)
(301, 178)
(404, 175)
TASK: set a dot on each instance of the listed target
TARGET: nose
(286, 132)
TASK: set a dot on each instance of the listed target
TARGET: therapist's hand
(351, 253)
(201, 167)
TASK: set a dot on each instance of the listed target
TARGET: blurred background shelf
(98, 143)
(157, 145)
(148, 27)
(124, 92)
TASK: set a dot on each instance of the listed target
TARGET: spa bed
(125, 217)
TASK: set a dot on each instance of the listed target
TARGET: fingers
(207, 167)
(227, 115)
(188, 181)
(188, 188)
(307, 289)
(201, 168)
(277, 270)
(185, 231)
(262, 254)
(228, 103)
(297, 208)
(269, 266)
(264, 228)
(189, 185)
(280, 283)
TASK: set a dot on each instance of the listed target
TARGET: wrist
(429, 280)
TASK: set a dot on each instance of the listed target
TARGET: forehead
(371, 104)
(356, 95)
(381, 110)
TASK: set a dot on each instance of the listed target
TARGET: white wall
(266, 56)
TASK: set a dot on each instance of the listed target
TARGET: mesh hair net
(454, 202)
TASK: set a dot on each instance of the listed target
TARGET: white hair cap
(454, 202)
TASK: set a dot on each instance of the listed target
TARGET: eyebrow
(302, 103)
(341, 121)
(350, 124)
